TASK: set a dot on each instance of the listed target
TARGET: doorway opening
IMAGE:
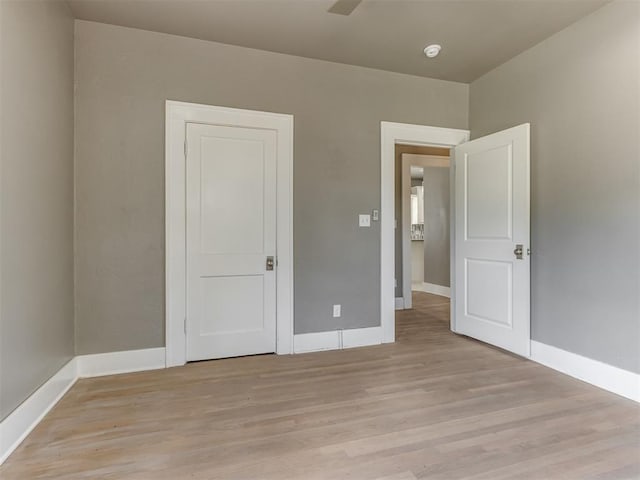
(489, 231)
(423, 224)
(396, 137)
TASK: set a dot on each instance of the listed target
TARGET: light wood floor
(433, 405)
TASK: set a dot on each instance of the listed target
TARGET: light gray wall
(36, 195)
(580, 89)
(123, 78)
(436, 226)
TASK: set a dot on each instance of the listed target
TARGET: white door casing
(178, 116)
(392, 134)
(231, 230)
(492, 286)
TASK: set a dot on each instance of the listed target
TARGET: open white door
(492, 272)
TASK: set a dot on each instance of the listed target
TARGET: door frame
(407, 134)
(409, 160)
(177, 115)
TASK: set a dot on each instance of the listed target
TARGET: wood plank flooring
(433, 405)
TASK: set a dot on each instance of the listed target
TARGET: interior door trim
(177, 115)
(405, 134)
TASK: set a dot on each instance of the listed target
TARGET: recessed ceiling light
(432, 50)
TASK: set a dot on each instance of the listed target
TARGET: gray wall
(123, 78)
(436, 226)
(580, 91)
(36, 221)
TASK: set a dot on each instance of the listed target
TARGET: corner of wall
(74, 237)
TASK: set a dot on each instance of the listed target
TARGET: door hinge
(184, 325)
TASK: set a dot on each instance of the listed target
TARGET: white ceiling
(476, 35)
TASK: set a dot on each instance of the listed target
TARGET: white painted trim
(432, 288)
(399, 303)
(337, 339)
(390, 135)
(409, 160)
(421, 160)
(361, 337)
(19, 423)
(178, 114)
(315, 342)
(452, 240)
(100, 364)
(610, 378)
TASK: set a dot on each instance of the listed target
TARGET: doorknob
(270, 263)
(518, 251)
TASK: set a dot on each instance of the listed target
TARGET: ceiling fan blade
(344, 7)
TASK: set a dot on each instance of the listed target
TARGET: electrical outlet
(336, 311)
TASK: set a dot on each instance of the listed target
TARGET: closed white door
(231, 241)
(492, 273)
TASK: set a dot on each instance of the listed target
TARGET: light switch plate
(337, 311)
(365, 220)
(375, 215)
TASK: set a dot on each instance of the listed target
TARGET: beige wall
(123, 78)
(36, 223)
(580, 89)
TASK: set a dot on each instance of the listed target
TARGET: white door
(492, 239)
(231, 238)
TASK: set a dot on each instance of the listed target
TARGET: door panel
(232, 195)
(492, 218)
(488, 286)
(231, 230)
(489, 201)
(224, 301)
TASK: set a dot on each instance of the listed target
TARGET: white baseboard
(399, 303)
(432, 288)
(100, 364)
(607, 377)
(15, 427)
(337, 339)
(361, 337)
(315, 342)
